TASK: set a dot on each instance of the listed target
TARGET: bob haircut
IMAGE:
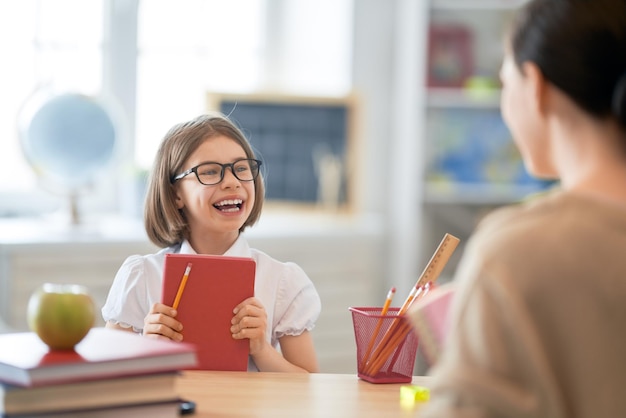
(165, 224)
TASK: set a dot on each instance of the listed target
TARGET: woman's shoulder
(527, 227)
(532, 213)
(548, 213)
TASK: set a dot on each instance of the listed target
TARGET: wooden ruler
(434, 267)
(439, 260)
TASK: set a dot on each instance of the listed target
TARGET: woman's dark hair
(580, 47)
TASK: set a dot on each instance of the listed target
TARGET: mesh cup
(398, 366)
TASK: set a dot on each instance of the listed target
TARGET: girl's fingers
(248, 311)
(161, 331)
(248, 303)
(161, 322)
(247, 322)
(162, 309)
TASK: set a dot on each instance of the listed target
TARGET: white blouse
(290, 299)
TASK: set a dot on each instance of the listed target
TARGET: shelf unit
(472, 164)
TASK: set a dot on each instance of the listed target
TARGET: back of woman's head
(580, 47)
(165, 224)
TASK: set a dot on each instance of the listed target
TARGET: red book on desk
(214, 286)
(26, 361)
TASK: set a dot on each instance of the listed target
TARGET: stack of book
(109, 374)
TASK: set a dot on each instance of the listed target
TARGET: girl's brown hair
(165, 224)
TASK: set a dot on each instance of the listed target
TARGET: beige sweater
(539, 322)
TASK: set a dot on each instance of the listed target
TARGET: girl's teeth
(229, 202)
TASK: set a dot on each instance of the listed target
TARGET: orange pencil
(409, 300)
(390, 294)
(181, 287)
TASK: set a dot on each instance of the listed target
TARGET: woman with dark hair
(538, 319)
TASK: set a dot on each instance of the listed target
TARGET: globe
(67, 139)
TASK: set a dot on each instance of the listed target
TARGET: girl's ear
(537, 85)
(177, 196)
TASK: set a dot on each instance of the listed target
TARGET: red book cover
(430, 317)
(214, 286)
(26, 361)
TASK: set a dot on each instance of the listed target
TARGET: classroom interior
(408, 143)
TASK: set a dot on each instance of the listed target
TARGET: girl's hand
(161, 323)
(250, 321)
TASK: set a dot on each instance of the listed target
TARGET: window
(274, 45)
(41, 45)
(184, 49)
(204, 45)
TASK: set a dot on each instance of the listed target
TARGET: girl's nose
(229, 179)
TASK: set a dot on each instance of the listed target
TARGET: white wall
(389, 53)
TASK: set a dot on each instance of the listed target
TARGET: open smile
(229, 205)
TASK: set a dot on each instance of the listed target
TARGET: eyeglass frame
(194, 170)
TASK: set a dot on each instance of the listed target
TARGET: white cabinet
(35, 252)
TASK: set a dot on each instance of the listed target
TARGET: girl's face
(216, 211)
(521, 111)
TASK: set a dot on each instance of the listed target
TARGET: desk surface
(242, 394)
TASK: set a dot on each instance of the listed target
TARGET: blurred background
(378, 122)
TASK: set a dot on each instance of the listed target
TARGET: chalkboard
(305, 144)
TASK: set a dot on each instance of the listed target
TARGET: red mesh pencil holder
(386, 345)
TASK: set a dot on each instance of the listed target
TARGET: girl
(204, 191)
(538, 328)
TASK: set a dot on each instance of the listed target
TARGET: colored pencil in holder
(383, 312)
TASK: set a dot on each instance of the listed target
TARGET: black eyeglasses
(246, 169)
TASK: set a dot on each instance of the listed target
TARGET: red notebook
(26, 361)
(215, 285)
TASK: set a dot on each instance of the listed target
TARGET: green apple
(61, 314)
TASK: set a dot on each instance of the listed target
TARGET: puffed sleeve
(129, 298)
(298, 304)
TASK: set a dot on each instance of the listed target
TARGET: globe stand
(68, 214)
(73, 209)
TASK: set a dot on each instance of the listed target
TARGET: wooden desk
(242, 394)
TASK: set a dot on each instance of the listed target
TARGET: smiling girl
(205, 190)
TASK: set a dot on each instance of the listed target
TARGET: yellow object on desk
(412, 394)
